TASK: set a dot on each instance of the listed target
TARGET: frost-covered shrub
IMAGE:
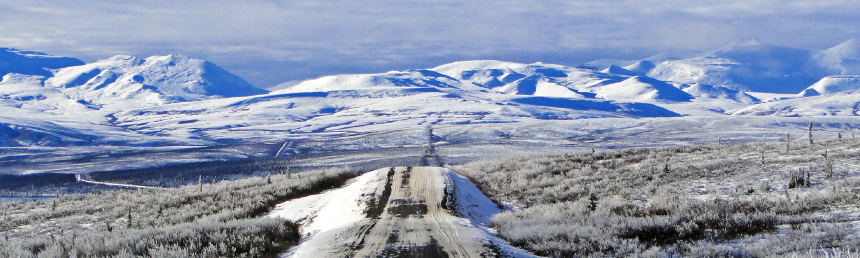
(679, 201)
(239, 238)
(218, 221)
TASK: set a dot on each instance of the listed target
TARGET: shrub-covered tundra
(215, 220)
(703, 201)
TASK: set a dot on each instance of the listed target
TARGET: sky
(268, 42)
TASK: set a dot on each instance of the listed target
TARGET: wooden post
(810, 133)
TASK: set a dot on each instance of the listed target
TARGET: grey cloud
(268, 42)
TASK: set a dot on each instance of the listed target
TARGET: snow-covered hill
(838, 104)
(524, 79)
(750, 66)
(622, 71)
(393, 80)
(704, 90)
(152, 81)
(643, 89)
(613, 83)
(641, 67)
(347, 104)
(181, 100)
(71, 102)
(32, 63)
(832, 84)
(746, 66)
(840, 60)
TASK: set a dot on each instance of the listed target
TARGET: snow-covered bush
(679, 201)
(221, 220)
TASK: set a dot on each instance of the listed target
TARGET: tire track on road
(409, 219)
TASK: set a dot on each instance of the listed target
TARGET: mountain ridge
(32, 63)
(194, 101)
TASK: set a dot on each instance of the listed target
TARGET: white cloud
(319, 37)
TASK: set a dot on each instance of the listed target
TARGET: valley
(699, 156)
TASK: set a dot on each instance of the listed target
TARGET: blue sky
(268, 42)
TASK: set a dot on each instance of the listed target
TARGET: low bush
(239, 238)
(209, 220)
(678, 201)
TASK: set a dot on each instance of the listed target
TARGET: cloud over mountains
(268, 42)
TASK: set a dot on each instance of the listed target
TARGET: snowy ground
(400, 144)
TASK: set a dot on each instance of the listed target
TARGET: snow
(643, 89)
(284, 85)
(414, 78)
(832, 84)
(464, 69)
(325, 218)
(325, 215)
(839, 104)
(771, 97)
(641, 67)
(710, 71)
(470, 92)
(177, 100)
(32, 63)
(703, 90)
(614, 69)
(528, 79)
(480, 109)
(841, 59)
(128, 82)
(333, 210)
(631, 65)
(748, 66)
(547, 89)
(72, 103)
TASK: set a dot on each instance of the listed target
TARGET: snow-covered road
(398, 212)
(413, 220)
(82, 179)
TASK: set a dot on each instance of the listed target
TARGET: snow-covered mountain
(641, 88)
(172, 101)
(837, 95)
(747, 66)
(177, 99)
(832, 84)
(704, 90)
(346, 104)
(181, 99)
(123, 82)
(622, 71)
(152, 81)
(32, 63)
(842, 59)
(641, 67)
(614, 83)
(44, 93)
(838, 104)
